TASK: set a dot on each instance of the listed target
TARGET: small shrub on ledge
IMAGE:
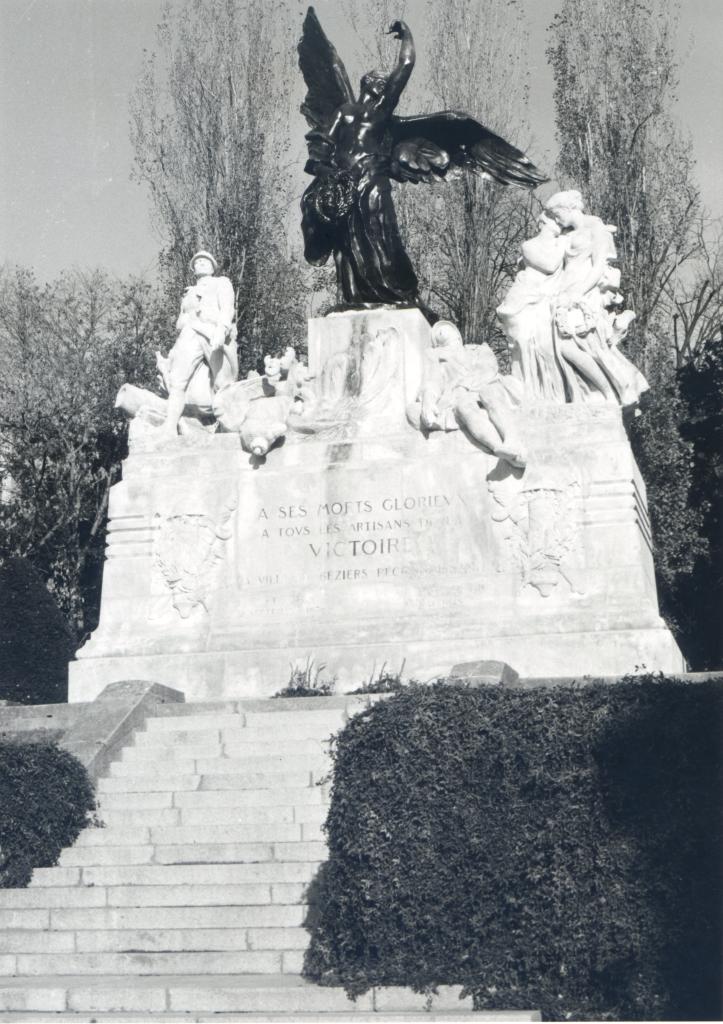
(385, 682)
(306, 682)
(555, 849)
(46, 799)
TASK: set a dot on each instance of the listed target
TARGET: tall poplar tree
(615, 93)
(210, 129)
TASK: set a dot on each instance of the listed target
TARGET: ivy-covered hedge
(46, 798)
(553, 848)
(35, 641)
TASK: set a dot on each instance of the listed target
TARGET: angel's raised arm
(402, 69)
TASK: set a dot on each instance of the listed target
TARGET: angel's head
(372, 85)
(445, 334)
(565, 207)
(277, 365)
(548, 225)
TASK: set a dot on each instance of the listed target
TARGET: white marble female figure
(526, 313)
(558, 316)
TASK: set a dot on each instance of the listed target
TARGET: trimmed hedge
(552, 848)
(35, 641)
(46, 798)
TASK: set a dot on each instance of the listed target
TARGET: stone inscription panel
(358, 528)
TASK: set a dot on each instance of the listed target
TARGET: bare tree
(695, 299)
(210, 129)
(466, 234)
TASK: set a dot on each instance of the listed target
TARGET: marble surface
(358, 540)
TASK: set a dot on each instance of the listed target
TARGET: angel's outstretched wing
(431, 145)
(327, 82)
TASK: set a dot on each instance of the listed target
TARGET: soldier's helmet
(205, 255)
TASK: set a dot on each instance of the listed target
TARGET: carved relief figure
(261, 408)
(538, 518)
(354, 384)
(188, 548)
(463, 388)
(560, 313)
(357, 145)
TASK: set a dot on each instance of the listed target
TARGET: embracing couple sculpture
(560, 313)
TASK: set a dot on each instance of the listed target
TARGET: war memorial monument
(391, 498)
(398, 498)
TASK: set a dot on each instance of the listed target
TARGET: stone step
(297, 723)
(150, 940)
(252, 894)
(33, 941)
(134, 918)
(281, 832)
(156, 752)
(196, 722)
(210, 799)
(109, 804)
(176, 740)
(239, 735)
(103, 835)
(138, 817)
(175, 874)
(190, 783)
(197, 707)
(274, 832)
(144, 963)
(242, 1017)
(153, 895)
(167, 756)
(247, 995)
(302, 796)
(192, 853)
(286, 719)
(209, 816)
(36, 918)
(219, 765)
(54, 896)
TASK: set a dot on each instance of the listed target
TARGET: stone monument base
(359, 542)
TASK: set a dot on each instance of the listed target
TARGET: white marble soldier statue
(203, 358)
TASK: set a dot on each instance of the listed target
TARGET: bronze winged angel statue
(356, 146)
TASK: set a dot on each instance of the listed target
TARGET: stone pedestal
(362, 542)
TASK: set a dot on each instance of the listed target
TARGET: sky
(67, 68)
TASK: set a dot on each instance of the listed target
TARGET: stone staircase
(190, 901)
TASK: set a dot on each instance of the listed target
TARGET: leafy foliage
(35, 641)
(699, 594)
(65, 349)
(552, 848)
(45, 799)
